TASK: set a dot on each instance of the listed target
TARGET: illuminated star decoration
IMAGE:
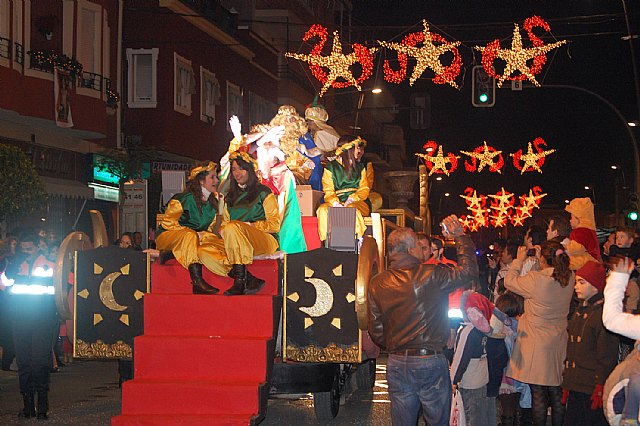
(502, 204)
(486, 155)
(426, 56)
(516, 58)
(532, 201)
(438, 163)
(476, 204)
(337, 63)
(531, 160)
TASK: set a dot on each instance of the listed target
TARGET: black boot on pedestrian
(254, 284)
(165, 256)
(239, 280)
(200, 286)
(43, 405)
(29, 409)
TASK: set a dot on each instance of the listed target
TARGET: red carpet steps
(203, 360)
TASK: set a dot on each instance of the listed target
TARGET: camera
(444, 228)
(531, 252)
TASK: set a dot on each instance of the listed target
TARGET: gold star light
(530, 159)
(517, 57)
(337, 63)
(473, 200)
(439, 161)
(531, 201)
(486, 157)
(426, 56)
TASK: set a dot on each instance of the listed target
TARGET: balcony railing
(19, 53)
(90, 80)
(5, 48)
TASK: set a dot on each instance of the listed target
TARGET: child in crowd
(592, 351)
(514, 396)
(469, 370)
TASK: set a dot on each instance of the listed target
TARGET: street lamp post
(593, 193)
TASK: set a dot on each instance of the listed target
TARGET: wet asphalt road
(87, 393)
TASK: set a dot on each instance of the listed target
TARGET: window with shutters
(142, 78)
(234, 102)
(209, 96)
(184, 84)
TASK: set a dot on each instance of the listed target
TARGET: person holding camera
(541, 343)
(408, 318)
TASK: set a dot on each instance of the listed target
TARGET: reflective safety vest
(35, 279)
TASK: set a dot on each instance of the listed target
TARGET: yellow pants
(242, 242)
(188, 248)
(362, 209)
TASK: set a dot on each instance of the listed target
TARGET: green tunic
(249, 210)
(193, 216)
(343, 184)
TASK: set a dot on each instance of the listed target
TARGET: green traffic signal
(483, 97)
(632, 215)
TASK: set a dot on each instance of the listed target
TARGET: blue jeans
(415, 380)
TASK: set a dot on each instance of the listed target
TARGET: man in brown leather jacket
(408, 307)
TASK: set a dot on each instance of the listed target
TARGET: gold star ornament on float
(338, 64)
(426, 56)
(518, 56)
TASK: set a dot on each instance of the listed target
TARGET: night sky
(587, 134)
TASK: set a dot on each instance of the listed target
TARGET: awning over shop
(66, 188)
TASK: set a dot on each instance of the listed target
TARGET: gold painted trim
(99, 349)
(359, 345)
(368, 266)
(148, 273)
(284, 310)
(332, 353)
(399, 214)
(75, 301)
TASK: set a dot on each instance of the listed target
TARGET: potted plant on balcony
(46, 24)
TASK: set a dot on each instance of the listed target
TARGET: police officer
(29, 278)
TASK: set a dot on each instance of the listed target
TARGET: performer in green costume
(187, 230)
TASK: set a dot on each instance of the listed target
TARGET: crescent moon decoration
(106, 292)
(324, 298)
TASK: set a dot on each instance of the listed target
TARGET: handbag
(457, 417)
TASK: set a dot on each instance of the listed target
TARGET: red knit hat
(470, 300)
(594, 273)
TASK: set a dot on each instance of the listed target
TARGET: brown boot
(165, 256)
(254, 284)
(200, 286)
(239, 274)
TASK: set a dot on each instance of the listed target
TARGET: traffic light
(483, 88)
(632, 210)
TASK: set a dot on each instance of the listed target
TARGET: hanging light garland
(438, 163)
(337, 63)
(502, 210)
(426, 56)
(486, 156)
(531, 161)
(516, 58)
